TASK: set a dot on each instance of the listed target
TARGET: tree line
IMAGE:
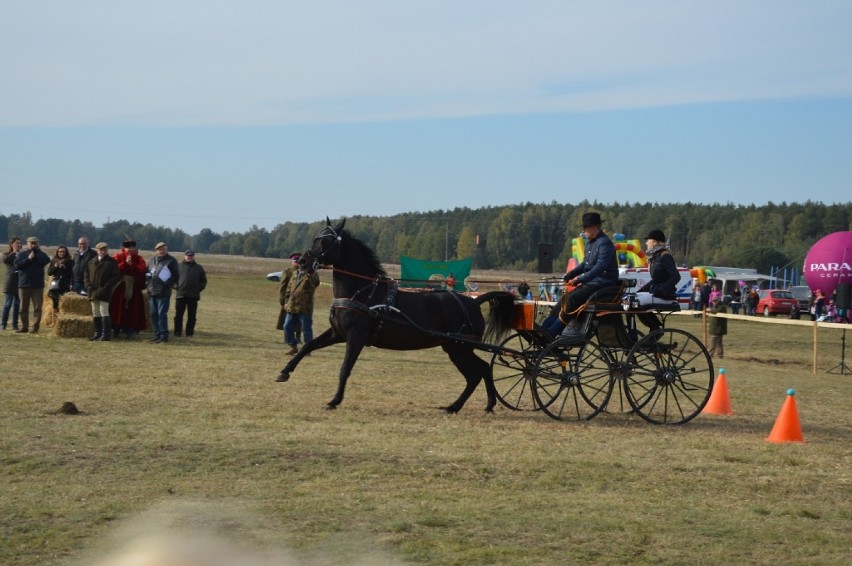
(504, 237)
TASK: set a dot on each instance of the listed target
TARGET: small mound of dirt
(68, 408)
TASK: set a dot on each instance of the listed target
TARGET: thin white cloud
(265, 62)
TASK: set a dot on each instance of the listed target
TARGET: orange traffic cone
(787, 428)
(719, 402)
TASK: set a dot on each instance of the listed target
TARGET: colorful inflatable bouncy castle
(629, 252)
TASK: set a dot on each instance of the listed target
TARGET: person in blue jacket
(599, 269)
(30, 264)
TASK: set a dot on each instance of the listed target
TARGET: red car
(776, 301)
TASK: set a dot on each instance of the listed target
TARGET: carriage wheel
(572, 381)
(671, 377)
(512, 371)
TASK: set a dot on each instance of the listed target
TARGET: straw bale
(74, 326)
(72, 303)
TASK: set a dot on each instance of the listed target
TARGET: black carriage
(665, 376)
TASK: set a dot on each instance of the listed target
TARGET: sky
(229, 114)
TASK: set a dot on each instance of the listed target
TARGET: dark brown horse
(369, 310)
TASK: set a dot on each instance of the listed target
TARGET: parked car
(274, 276)
(802, 293)
(776, 301)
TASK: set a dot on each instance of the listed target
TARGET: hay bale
(74, 304)
(74, 326)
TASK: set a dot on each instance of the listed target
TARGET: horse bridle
(322, 235)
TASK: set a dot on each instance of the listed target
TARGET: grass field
(194, 441)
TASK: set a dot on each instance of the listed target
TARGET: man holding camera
(30, 265)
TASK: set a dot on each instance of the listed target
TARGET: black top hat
(592, 219)
(656, 235)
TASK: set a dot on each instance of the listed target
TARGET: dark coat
(101, 278)
(599, 267)
(156, 286)
(664, 275)
(193, 280)
(31, 271)
(61, 272)
(80, 262)
(716, 325)
(11, 284)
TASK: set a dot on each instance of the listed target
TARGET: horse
(368, 309)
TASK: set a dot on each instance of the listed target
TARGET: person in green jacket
(718, 326)
(299, 301)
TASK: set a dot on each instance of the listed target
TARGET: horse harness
(380, 311)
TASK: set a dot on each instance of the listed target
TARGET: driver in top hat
(598, 269)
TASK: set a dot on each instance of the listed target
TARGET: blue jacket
(31, 271)
(599, 267)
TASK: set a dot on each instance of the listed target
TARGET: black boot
(99, 328)
(106, 335)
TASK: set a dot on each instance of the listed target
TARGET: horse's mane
(367, 253)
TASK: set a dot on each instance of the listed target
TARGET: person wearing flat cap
(286, 275)
(299, 300)
(127, 308)
(662, 288)
(191, 282)
(102, 275)
(599, 269)
(162, 276)
(30, 264)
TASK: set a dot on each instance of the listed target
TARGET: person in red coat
(127, 308)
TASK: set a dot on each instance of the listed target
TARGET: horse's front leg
(354, 345)
(324, 340)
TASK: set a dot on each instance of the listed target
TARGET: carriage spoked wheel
(512, 372)
(671, 377)
(571, 380)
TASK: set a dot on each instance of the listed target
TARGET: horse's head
(325, 249)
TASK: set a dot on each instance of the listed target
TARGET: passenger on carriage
(662, 288)
(599, 269)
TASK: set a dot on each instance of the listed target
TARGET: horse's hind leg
(473, 369)
(324, 340)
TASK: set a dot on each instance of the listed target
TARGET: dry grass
(196, 436)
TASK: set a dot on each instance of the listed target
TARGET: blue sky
(226, 115)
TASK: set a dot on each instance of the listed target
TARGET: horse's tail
(499, 320)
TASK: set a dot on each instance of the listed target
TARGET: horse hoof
(282, 377)
(330, 407)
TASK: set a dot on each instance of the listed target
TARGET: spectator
(817, 304)
(30, 265)
(599, 269)
(736, 300)
(696, 297)
(192, 281)
(705, 295)
(662, 288)
(753, 299)
(61, 276)
(717, 327)
(450, 282)
(299, 298)
(10, 287)
(524, 290)
(162, 276)
(83, 255)
(127, 306)
(102, 275)
(282, 296)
